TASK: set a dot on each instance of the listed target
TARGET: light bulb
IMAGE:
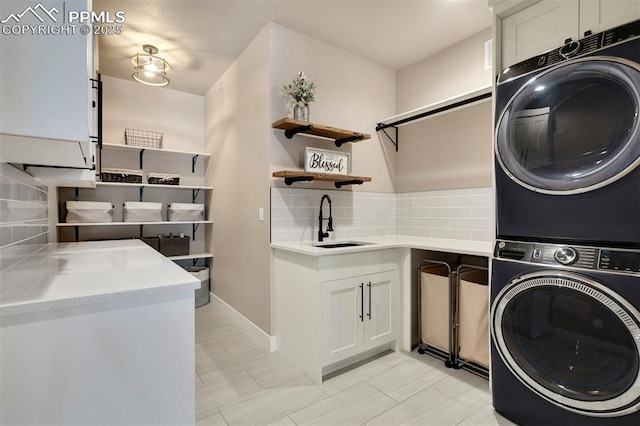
(149, 74)
(151, 67)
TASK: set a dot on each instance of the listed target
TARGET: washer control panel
(619, 260)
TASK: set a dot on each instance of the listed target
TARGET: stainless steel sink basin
(340, 245)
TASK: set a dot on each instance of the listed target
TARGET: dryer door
(571, 340)
(574, 127)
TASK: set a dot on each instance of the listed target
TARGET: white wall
(452, 150)
(178, 115)
(352, 93)
(445, 74)
(237, 136)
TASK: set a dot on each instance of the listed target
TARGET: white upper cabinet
(600, 15)
(45, 83)
(538, 28)
(546, 24)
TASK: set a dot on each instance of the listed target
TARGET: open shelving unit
(340, 136)
(141, 152)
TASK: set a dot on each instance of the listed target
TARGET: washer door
(570, 340)
(573, 128)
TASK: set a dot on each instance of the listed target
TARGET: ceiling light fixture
(150, 69)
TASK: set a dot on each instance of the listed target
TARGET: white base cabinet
(336, 309)
(357, 315)
(546, 25)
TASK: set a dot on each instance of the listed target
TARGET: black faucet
(322, 234)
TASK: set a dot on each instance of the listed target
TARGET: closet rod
(402, 121)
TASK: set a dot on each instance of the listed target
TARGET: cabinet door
(601, 15)
(538, 28)
(45, 77)
(342, 319)
(380, 308)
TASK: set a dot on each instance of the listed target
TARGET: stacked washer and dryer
(565, 282)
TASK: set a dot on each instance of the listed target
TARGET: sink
(339, 245)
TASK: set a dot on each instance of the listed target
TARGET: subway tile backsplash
(458, 214)
(463, 214)
(294, 214)
(23, 215)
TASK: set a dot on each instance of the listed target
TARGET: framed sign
(324, 161)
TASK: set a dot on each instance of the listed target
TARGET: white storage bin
(135, 211)
(185, 212)
(89, 211)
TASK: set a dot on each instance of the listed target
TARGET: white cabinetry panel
(341, 325)
(357, 315)
(546, 25)
(541, 27)
(46, 92)
(600, 15)
(380, 326)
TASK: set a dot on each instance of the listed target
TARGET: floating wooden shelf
(340, 180)
(292, 127)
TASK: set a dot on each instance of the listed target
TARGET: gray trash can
(202, 294)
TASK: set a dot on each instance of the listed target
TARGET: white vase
(301, 112)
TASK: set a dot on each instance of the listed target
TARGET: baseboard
(255, 333)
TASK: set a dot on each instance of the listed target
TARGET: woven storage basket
(121, 175)
(143, 138)
(163, 179)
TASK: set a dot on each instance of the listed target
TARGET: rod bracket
(348, 139)
(290, 133)
(290, 180)
(383, 128)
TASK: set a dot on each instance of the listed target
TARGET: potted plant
(298, 94)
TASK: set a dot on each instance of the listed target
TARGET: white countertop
(478, 248)
(71, 274)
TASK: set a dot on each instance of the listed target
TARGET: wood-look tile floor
(239, 383)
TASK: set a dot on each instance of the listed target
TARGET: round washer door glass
(570, 340)
(574, 127)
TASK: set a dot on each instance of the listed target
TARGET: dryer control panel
(572, 49)
(580, 257)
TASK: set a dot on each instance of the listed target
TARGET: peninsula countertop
(72, 274)
(478, 248)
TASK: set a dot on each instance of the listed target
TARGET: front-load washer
(567, 143)
(565, 334)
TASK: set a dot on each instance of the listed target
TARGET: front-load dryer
(567, 143)
(565, 334)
